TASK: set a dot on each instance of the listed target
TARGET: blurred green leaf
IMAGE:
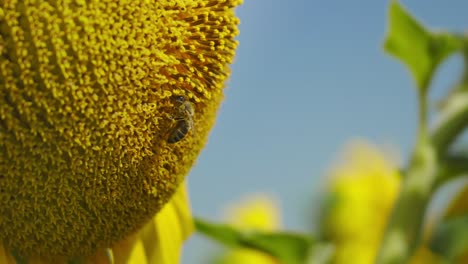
(461, 86)
(421, 50)
(450, 238)
(452, 166)
(451, 122)
(322, 253)
(453, 110)
(287, 247)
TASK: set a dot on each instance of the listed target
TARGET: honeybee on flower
(184, 120)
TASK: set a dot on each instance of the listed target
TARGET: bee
(183, 120)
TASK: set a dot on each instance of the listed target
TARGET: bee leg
(174, 118)
(169, 116)
(178, 118)
(192, 128)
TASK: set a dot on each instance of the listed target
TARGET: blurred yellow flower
(87, 94)
(363, 188)
(257, 212)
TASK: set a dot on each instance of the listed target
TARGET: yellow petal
(5, 257)
(360, 252)
(101, 257)
(159, 241)
(127, 249)
(138, 255)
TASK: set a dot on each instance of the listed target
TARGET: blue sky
(309, 76)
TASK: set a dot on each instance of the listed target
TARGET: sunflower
(87, 104)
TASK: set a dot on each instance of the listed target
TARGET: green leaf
(453, 119)
(287, 247)
(421, 50)
(450, 238)
(452, 166)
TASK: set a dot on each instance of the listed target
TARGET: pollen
(86, 96)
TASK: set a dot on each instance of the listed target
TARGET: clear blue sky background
(308, 77)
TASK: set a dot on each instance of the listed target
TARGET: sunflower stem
(421, 179)
(426, 171)
(403, 231)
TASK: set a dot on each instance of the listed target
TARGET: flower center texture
(87, 105)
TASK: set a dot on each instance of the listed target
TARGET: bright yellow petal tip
(86, 105)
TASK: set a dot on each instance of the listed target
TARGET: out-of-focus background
(309, 76)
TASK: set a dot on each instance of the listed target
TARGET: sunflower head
(87, 103)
